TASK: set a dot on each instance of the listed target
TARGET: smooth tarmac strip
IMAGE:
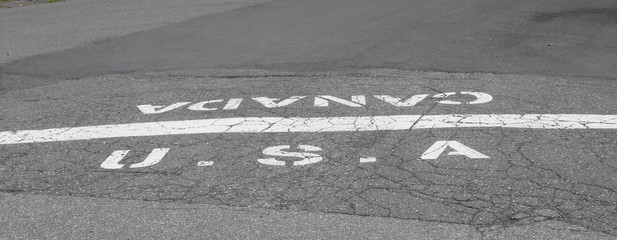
(312, 125)
(570, 37)
(47, 28)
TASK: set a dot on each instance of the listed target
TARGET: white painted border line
(312, 125)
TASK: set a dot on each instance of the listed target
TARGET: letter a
(437, 149)
(149, 109)
(270, 102)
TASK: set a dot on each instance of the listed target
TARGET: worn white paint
(312, 125)
(271, 102)
(480, 98)
(439, 147)
(112, 162)
(149, 109)
(319, 101)
(200, 106)
(356, 101)
(410, 102)
(279, 151)
(368, 159)
(205, 163)
(233, 103)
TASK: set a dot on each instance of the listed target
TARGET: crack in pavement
(454, 190)
(542, 167)
(313, 125)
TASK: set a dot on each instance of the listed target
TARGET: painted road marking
(480, 97)
(439, 147)
(112, 162)
(270, 102)
(306, 157)
(205, 163)
(303, 157)
(312, 125)
(319, 101)
(369, 159)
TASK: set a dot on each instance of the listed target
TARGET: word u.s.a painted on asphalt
(306, 154)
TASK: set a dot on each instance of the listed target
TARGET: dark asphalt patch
(600, 16)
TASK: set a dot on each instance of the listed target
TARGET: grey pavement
(91, 63)
(92, 218)
(38, 29)
(547, 37)
(526, 191)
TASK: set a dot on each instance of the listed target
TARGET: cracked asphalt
(521, 92)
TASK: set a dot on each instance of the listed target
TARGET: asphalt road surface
(289, 119)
